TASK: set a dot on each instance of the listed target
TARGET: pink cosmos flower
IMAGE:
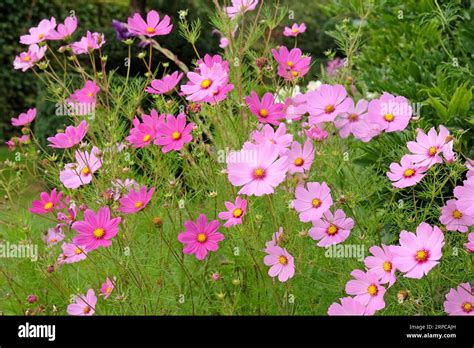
(96, 230)
(72, 253)
(277, 238)
(25, 118)
(27, 60)
(266, 110)
(281, 263)
(71, 136)
(313, 202)
(392, 113)
(348, 306)
(81, 173)
(173, 133)
(334, 66)
(64, 31)
(88, 43)
(200, 237)
(453, 219)
(406, 173)
(47, 203)
(291, 64)
(39, 33)
(135, 201)
(381, 263)
(300, 158)
(257, 168)
(460, 301)
(470, 244)
(86, 94)
(355, 114)
(166, 84)
(448, 152)
(331, 229)
(152, 27)
(470, 167)
(293, 107)
(240, 7)
(465, 197)
(279, 138)
(367, 290)
(83, 305)
(235, 212)
(366, 131)
(54, 235)
(145, 132)
(327, 102)
(316, 133)
(70, 216)
(425, 151)
(107, 288)
(295, 30)
(418, 253)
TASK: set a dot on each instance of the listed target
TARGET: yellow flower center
(316, 203)
(48, 206)
(201, 237)
(432, 150)
(86, 171)
(387, 266)
(329, 108)
(205, 83)
(263, 112)
(87, 310)
(353, 117)
(40, 36)
(294, 31)
(147, 137)
(150, 30)
(54, 240)
(457, 214)
(237, 212)
(78, 251)
(90, 94)
(99, 233)
(283, 260)
(332, 230)
(259, 172)
(408, 173)
(388, 117)
(421, 255)
(467, 307)
(138, 204)
(176, 135)
(372, 290)
(290, 63)
(299, 162)
(26, 58)
(108, 290)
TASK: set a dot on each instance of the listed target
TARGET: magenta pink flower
(327, 102)
(96, 230)
(200, 237)
(279, 138)
(331, 229)
(152, 27)
(71, 136)
(281, 263)
(84, 305)
(235, 212)
(425, 151)
(406, 173)
(392, 113)
(313, 202)
(174, 133)
(54, 235)
(291, 64)
(367, 290)
(470, 244)
(72, 253)
(81, 173)
(86, 94)
(257, 168)
(460, 301)
(27, 60)
(295, 30)
(25, 118)
(39, 33)
(418, 253)
(465, 197)
(316, 133)
(355, 114)
(454, 219)
(145, 132)
(366, 131)
(381, 263)
(64, 31)
(166, 84)
(135, 201)
(266, 110)
(70, 216)
(107, 288)
(300, 158)
(348, 306)
(88, 43)
(240, 7)
(47, 203)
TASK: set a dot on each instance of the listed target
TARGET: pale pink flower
(72, 253)
(54, 235)
(313, 202)
(316, 133)
(381, 263)
(266, 110)
(82, 172)
(300, 158)
(281, 263)
(448, 152)
(465, 197)
(279, 138)
(295, 30)
(25, 118)
(460, 301)
(88, 43)
(366, 131)
(418, 253)
(454, 219)
(83, 305)
(107, 288)
(135, 201)
(235, 212)
(277, 238)
(122, 187)
(348, 306)
(426, 150)
(392, 113)
(152, 27)
(367, 290)
(200, 237)
(331, 229)
(470, 167)
(39, 33)
(173, 133)
(240, 7)
(166, 84)
(64, 31)
(26, 60)
(470, 244)
(326, 103)
(291, 64)
(47, 203)
(71, 136)
(355, 114)
(406, 173)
